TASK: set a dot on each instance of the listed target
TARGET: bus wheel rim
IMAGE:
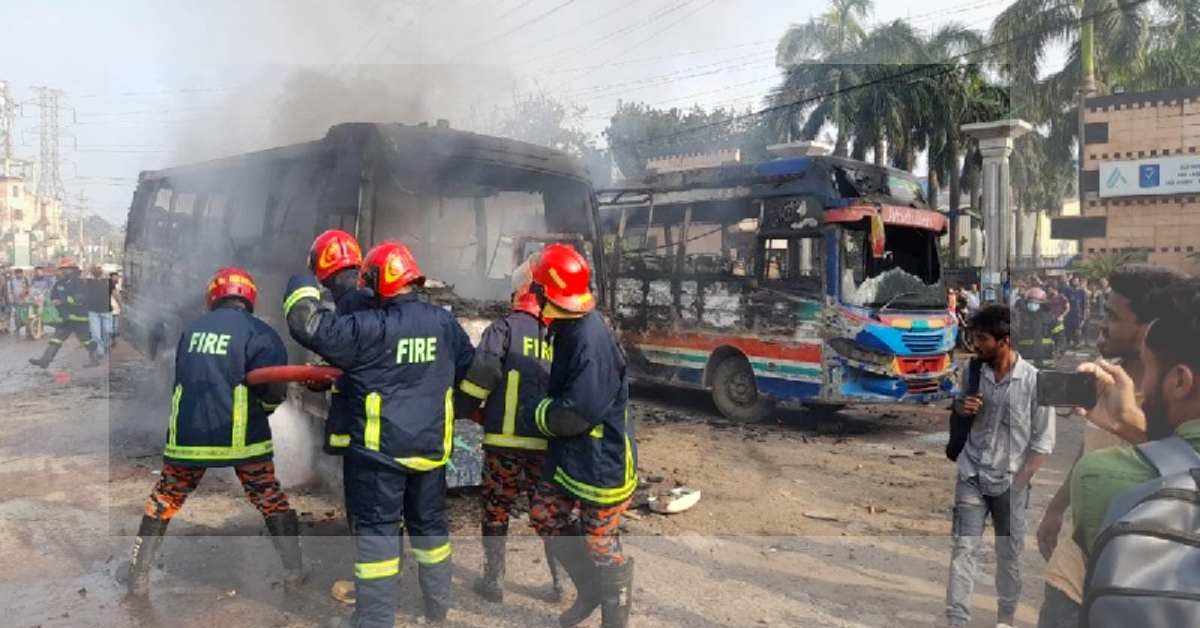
(741, 389)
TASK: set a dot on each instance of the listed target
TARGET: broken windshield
(909, 274)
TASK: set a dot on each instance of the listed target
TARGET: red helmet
(67, 262)
(563, 275)
(388, 268)
(333, 251)
(1035, 294)
(232, 282)
(527, 302)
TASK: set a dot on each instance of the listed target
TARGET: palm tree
(944, 104)
(812, 54)
(1039, 185)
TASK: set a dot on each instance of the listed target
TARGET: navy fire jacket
(216, 419)
(348, 298)
(593, 447)
(511, 371)
(401, 362)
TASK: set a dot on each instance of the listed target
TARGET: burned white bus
(471, 208)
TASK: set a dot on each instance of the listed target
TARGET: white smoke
(295, 443)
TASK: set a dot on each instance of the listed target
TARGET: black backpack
(1144, 568)
(960, 424)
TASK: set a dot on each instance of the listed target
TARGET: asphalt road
(80, 449)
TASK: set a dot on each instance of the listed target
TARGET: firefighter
(592, 453)
(509, 374)
(69, 295)
(335, 259)
(217, 420)
(1039, 333)
(402, 360)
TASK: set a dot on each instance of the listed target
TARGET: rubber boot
(47, 357)
(141, 559)
(616, 594)
(284, 528)
(572, 554)
(93, 356)
(556, 590)
(491, 586)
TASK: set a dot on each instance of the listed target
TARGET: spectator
(1009, 440)
(973, 299)
(17, 287)
(1171, 387)
(1076, 315)
(1059, 305)
(1122, 329)
(41, 281)
(99, 306)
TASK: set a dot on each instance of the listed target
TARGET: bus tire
(736, 394)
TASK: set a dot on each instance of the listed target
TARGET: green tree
(817, 56)
(637, 132)
(540, 119)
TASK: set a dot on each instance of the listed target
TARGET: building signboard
(1156, 176)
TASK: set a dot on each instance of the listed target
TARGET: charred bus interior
(468, 205)
(471, 207)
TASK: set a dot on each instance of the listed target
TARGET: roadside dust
(806, 523)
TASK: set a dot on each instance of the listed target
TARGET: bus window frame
(810, 285)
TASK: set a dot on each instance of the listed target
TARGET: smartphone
(1066, 389)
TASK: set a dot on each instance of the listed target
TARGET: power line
(585, 25)
(659, 32)
(944, 66)
(593, 44)
(533, 20)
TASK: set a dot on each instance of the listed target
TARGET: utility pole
(8, 127)
(49, 181)
(81, 212)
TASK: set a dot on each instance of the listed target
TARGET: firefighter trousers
(177, 482)
(509, 474)
(381, 502)
(82, 331)
(551, 515)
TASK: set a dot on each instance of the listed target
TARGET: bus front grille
(922, 342)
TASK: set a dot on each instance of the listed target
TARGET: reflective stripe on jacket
(519, 342)
(216, 419)
(588, 379)
(401, 363)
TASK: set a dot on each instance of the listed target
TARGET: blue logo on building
(1148, 176)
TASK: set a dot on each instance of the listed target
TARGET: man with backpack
(1126, 317)
(1009, 439)
(1135, 508)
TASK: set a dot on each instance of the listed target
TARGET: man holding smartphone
(1009, 440)
(1122, 329)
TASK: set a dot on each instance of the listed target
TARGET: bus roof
(422, 142)
(732, 174)
(838, 179)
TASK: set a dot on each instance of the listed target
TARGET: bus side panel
(778, 334)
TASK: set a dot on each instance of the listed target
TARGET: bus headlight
(853, 351)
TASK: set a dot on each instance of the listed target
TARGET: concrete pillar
(996, 145)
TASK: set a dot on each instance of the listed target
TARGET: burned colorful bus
(471, 207)
(808, 280)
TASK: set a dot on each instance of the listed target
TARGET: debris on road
(674, 501)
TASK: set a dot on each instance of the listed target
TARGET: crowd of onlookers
(20, 288)
(1076, 302)
(1143, 434)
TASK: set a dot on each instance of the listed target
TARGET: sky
(149, 85)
